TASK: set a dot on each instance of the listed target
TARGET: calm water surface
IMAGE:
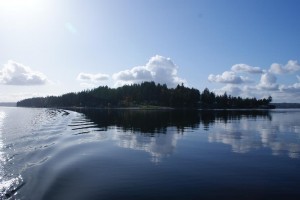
(133, 154)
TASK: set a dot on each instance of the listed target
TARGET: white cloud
(294, 88)
(268, 82)
(230, 90)
(158, 69)
(14, 73)
(228, 77)
(261, 86)
(92, 77)
(291, 67)
(276, 69)
(244, 91)
(88, 85)
(246, 68)
(136, 74)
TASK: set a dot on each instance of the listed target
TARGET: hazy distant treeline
(145, 94)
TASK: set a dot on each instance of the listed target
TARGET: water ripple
(27, 143)
(10, 187)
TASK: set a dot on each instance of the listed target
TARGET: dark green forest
(146, 94)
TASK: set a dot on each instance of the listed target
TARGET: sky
(247, 48)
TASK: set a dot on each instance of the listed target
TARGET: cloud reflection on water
(281, 134)
(158, 132)
(160, 146)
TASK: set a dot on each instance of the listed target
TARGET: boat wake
(10, 187)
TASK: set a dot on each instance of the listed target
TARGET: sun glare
(19, 5)
(18, 12)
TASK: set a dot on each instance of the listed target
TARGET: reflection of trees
(140, 129)
(244, 130)
(156, 131)
(210, 117)
(144, 121)
(157, 121)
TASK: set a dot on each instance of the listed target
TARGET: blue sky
(248, 48)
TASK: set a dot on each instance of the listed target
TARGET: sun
(19, 5)
(23, 11)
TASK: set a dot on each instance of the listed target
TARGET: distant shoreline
(8, 104)
(286, 105)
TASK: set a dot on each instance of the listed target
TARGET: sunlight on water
(3, 184)
(7, 187)
(2, 155)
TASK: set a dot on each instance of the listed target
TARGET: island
(147, 95)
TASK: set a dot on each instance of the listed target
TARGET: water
(133, 154)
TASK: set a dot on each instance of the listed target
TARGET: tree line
(145, 94)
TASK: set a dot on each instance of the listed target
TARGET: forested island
(147, 95)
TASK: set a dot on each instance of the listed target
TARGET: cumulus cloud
(136, 74)
(261, 83)
(228, 77)
(158, 69)
(14, 73)
(268, 82)
(229, 89)
(91, 80)
(246, 68)
(276, 69)
(294, 88)
(291, 67)
(92, 77)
